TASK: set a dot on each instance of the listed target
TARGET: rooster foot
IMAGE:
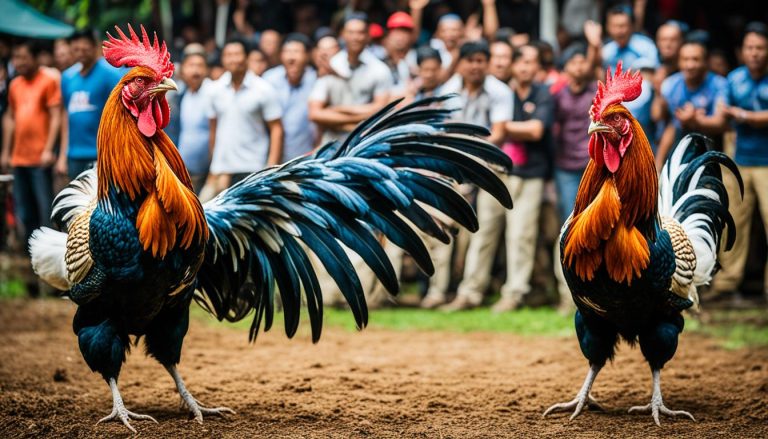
(120, 413)
(582, 398)
(196, 409)
(656, 406)
(577, 405)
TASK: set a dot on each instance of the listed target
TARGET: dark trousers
(76, 167)
(33, 195)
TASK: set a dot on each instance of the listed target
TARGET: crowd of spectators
(264, 98)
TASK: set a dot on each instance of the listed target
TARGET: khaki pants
(755, 192)
(521, 232)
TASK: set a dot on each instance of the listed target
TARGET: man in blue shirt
(194, 127)
(691, 100)
(293, 81)
(85, 88)
(748, 110)
(625, 45)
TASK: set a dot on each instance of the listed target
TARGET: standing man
(30, 127)
(748, 110)
(529, 144)
(293, 81)
(427, 81)
(485, 101)
(500, 65)
(194, 134)
(359, 86)
(85, 88)
(245, 122)
(691, 100)
(669, 39)
(626, 45)
(571, 141)
(397, 46)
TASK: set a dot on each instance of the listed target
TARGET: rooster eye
(140, 81)
(615, 117)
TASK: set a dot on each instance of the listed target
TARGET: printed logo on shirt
(80, 102)
(529, 107)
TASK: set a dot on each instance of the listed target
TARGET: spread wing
(389, 169)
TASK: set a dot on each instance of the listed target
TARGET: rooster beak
(165, 85)
(597, 127)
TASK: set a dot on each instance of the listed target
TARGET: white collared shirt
(494, 103)
(349, 85)
(242, 138)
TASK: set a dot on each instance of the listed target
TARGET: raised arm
(276, 139)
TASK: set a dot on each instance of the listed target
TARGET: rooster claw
(120, 413)
(577, 405)
(656, 408)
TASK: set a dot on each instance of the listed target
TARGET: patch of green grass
(12, 288)
(527, 321)
(734, 329)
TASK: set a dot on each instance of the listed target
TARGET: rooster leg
(582, 398)
(195, 407)
(119, 412)
(656, 405)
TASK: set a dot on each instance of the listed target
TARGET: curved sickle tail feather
(691, 190)
(392, 168)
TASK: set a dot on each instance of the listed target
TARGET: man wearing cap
(486, 101)
(293, 81)
(397, 46)
(359, 86)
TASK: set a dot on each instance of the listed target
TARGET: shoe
(431, 302)
(506, 304)
(460, 303)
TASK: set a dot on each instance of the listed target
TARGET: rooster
(139, 247)
(635, 249)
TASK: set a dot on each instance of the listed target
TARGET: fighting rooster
(140, 247)
(634, 249)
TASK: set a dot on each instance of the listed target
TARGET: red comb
(621, 87)
(133, 52)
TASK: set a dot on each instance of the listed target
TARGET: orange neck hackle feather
(152, 171)
(611, 211)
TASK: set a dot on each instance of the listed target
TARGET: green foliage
(101, 15)
(12, 288)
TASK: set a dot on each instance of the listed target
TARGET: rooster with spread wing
(140, 247)
(635, 249)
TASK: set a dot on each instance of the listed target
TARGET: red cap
(375, 30)
(400, 20)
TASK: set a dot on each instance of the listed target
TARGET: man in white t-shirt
(359, 87)
(244, 115)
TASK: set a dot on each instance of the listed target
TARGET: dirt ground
(371, 384)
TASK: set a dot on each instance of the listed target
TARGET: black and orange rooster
(634, 250)
(140, 247)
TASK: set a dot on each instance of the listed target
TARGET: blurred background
(62, 37)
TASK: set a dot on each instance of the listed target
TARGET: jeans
(76, 167)
(33, 195)
(567, 184)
